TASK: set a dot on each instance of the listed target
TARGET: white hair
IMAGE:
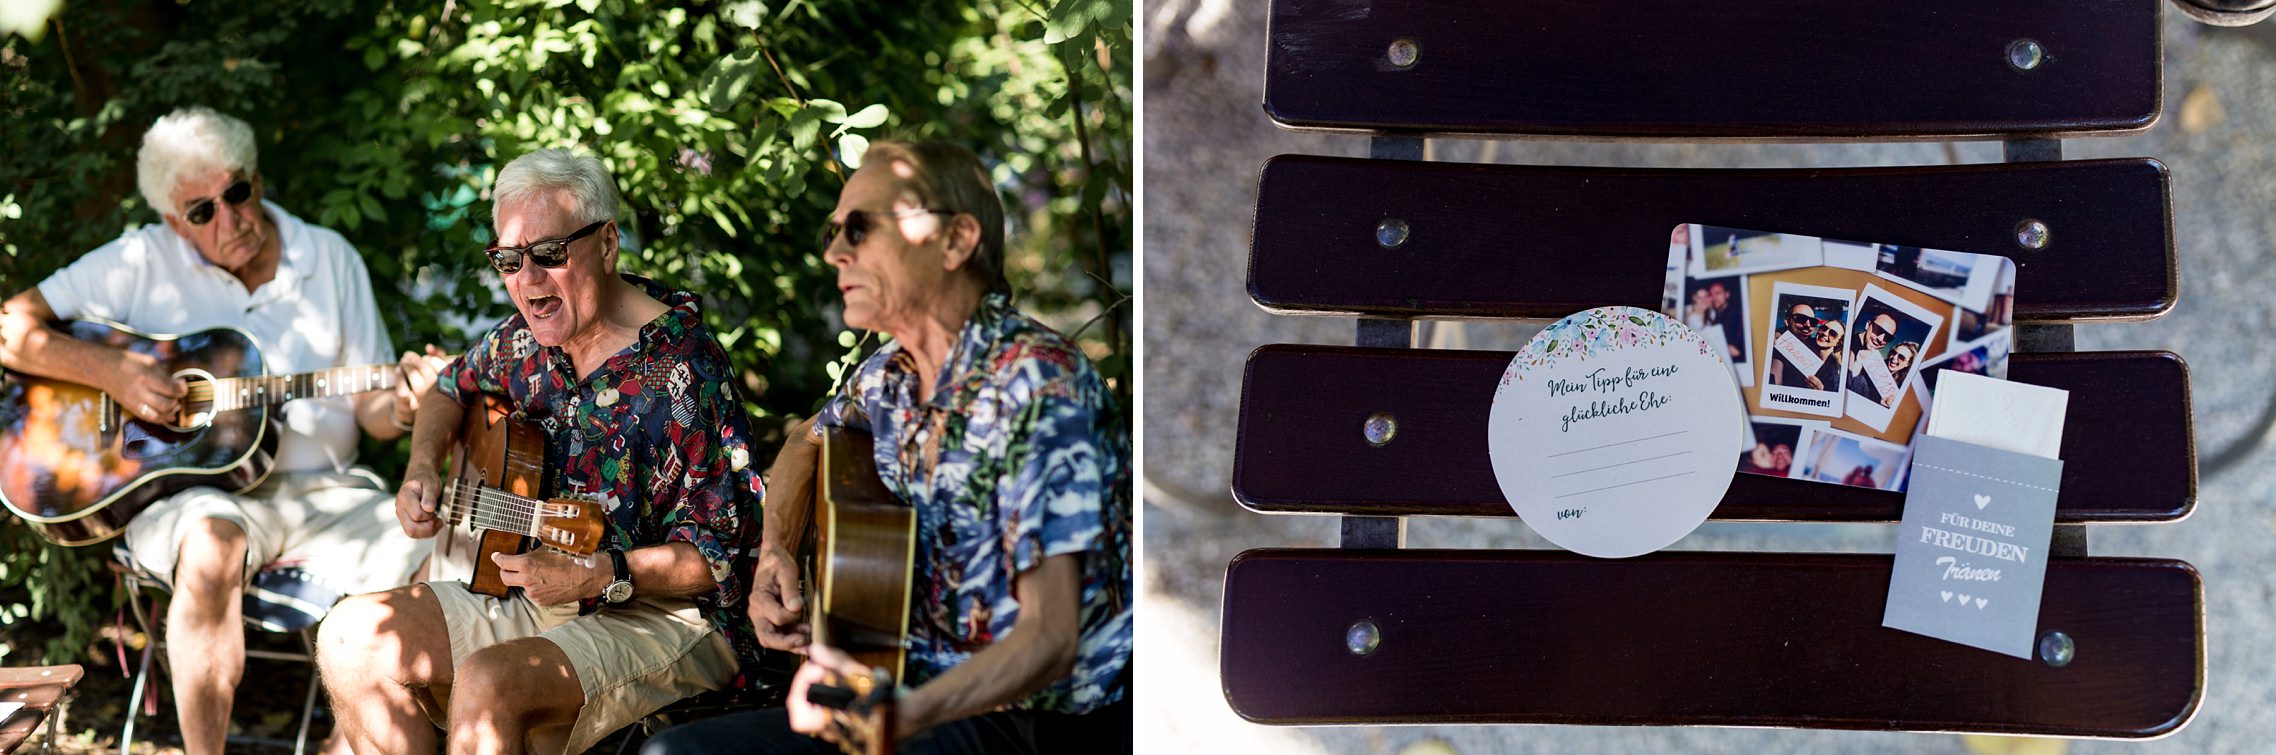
(592, 195)
(190, 142)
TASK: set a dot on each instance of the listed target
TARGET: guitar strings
(504, 501)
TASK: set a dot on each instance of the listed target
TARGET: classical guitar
(495, 501)
(78, 466)
(864, 543)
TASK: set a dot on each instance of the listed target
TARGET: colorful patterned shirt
(657, 427)
(1019, 456)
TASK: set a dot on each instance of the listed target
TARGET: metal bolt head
(2032, 234)
(2056, 649)
(1391, 233)
(1362, 638)
(1404, 52)
(2025, 54)
(1380, 427)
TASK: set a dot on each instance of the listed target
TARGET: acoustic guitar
(78, 466)
(495, 501)
(864, 541)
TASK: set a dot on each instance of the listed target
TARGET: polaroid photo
(1802, 370)
(1962, 278)
(1777, 443)
(1986, 356)
(1884, 351)
(1997, 314)
(1850, 255)
(1844, 459)
(1717, 309)
(1717, 251)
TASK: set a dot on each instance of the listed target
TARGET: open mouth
(541, 307)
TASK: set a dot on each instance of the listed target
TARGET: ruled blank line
(1621, 464)
(1624, 484)
(1621, 443)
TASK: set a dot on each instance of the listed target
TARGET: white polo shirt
(317, 313)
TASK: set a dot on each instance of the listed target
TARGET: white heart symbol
(1963, 600)
(1979, 602)
(1947, 595)
(1982, 501)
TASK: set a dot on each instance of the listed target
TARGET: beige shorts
(631, 660)
(338, 527)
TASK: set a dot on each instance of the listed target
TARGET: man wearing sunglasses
(632, 392)
(224, 258)
(1005, 439)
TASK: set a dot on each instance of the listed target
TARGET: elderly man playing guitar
(630, 391)
(225, 259)
(1004, 438)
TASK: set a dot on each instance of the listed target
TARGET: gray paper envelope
(1972, 548)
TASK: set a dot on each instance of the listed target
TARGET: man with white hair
(631, 391)
(222, 259)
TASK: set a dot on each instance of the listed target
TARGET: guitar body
(496, 452)
(865, 551)
(78, 467)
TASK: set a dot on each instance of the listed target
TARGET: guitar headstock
(571, 524)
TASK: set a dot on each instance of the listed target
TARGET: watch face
(618, 592)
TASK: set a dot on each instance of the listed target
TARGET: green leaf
(802, 129)
(831, 111)
(851, 148)
(869, 117)
(745, 14)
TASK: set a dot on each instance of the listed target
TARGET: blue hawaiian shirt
(1019, 456)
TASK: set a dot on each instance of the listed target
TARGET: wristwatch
(620, 589)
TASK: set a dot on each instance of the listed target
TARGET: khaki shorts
(631, 660)
(340, 528)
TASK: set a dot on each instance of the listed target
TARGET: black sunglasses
(859, 222)
(548, 254)
(201, 211)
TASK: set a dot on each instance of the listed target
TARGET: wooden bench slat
(1507, 241)
(1721, 69)
(2128, 449)
(1689, 638)
(39, 688)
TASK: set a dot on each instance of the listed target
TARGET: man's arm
(671, 570)
(777, 610)
(1039, 651)
(790, 483)
(28, 345)
(432, 435)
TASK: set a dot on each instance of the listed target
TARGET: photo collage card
(1835, 344)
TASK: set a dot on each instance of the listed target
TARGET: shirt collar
(981, 331)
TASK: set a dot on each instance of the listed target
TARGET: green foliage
(729, 128)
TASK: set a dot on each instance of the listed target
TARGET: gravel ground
(1206, 137)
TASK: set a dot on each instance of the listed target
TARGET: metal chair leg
(134, 699)
(308, 707)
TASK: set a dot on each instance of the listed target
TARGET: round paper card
(1614, 431)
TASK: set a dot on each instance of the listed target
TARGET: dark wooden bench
(40, 689)
(1691, 638)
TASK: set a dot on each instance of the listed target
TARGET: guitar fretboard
(230, 394)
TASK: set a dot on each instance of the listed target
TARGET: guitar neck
(488, 508)
(270, 390)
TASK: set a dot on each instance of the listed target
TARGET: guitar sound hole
(197, 401)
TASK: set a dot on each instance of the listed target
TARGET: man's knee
(397, 634)
(211, 556)
(517, 680)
